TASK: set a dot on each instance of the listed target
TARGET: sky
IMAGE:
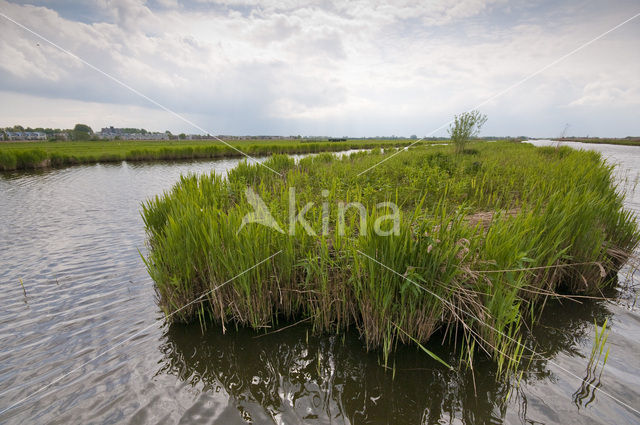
(332, 68)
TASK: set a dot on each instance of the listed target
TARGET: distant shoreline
(29, 155)
(37, 154)
(627, 141)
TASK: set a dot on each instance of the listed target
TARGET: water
(74, 236)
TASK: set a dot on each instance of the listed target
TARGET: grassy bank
(627, 141)
(482, 238)
(31, 155)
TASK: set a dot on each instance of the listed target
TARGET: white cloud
(65, 113)
(607, 91)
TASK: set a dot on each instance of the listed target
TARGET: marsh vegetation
(32, 155)
(485, 237)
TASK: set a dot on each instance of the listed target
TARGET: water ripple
(73, 236)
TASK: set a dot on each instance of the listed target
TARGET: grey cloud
(342, 68)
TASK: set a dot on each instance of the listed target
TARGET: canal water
(83, 341)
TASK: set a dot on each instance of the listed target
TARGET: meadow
(32, 155)
(484, 237)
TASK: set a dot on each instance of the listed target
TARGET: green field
(483, 239)
(30, 155)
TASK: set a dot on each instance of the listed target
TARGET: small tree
(464, 127)
(82, 132)
(83, 128)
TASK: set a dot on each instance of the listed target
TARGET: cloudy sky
(356, 68)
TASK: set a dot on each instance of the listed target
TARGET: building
(36, 135)
(26, 135)
(111, 133)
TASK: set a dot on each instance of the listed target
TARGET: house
(14, 135)
(110, 133)
(35, 135)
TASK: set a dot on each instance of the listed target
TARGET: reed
(24, 291)
(592, 379)
(553, 221)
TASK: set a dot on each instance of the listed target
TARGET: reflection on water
(293, 376)
(73, 236)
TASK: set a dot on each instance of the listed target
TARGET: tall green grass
(557, 225)
(30, 155)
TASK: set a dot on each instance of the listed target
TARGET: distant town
(82, 132)
(85, 133)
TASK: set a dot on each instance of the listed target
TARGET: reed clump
(556, 224)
